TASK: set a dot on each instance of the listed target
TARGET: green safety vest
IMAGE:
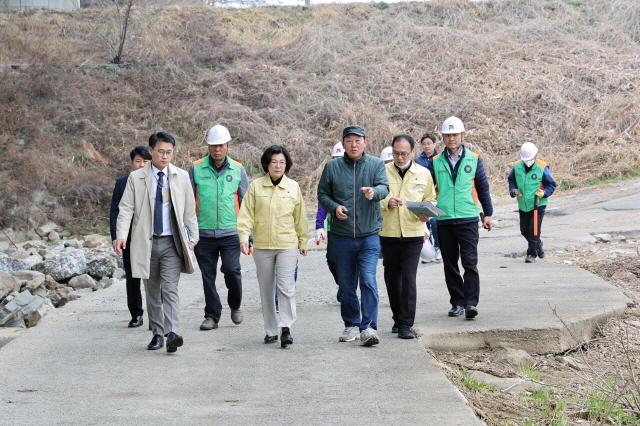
(528, 183)
(217, 196)
(456, 199)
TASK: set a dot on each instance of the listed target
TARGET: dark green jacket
(340, 184)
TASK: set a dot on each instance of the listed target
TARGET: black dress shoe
(470, 312)
(270, 339)
(174, 341)
(456, 311)
(405, 332)
(136, 322)
(285, 339)
(394, 329)
(156, 343)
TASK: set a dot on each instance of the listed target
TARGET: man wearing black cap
(350, 189)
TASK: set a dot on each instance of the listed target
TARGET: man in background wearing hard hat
(219, 183)
(531, 182)
(458, 173)
(386, 155)
(321, 216)
(351, 188)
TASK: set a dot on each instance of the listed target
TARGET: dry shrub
(561, 74)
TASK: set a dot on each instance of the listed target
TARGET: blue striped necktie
(157, 211)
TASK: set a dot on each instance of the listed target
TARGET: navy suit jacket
(118, 190)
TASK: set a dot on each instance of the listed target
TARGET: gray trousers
(163, 304)
(267, 261)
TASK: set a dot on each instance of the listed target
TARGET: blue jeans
(356, 260)
(432, 224)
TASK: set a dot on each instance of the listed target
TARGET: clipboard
(423, 207)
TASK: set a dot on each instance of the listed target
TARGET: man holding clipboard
(402, 234)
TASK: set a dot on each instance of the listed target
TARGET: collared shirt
(217, 170)
(454, 158)
(166, 198)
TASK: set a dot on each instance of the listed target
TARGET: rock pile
(46, 268)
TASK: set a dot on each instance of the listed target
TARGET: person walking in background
(159, 209)
(531, 182)
(219, 184)
(457, 173)
(386, 155)
(351, 188)
(428, 144)
(139, 158)
(402, 233)
(322, 217)
(274, 210)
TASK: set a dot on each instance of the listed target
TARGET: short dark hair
(429, 135)
(270, 152)
(141, 151)
(161, 136)
(407, 138)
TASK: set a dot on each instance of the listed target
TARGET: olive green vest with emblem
(216, 196)
(456, 199)
(528, 183)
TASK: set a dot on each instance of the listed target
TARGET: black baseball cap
(353, 130)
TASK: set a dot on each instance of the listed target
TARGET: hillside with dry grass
(564, 74)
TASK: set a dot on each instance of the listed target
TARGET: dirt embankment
(563, 74)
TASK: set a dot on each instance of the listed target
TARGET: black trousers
(460, 242)
(400, 260)
(134, 295)
(526, 229)
(331, 263)
(207, 251)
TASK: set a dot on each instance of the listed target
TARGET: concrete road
(81, 365)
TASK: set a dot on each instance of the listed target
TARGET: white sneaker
(369, 337)
(350, 334)
(438, 256)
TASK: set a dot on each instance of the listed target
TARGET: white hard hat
(452, 125)
(338, 150)
(218, 135)
(427, 253)
(528, 151)
(386, 154)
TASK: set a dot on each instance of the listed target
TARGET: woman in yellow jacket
(274, 210)
(402, 234)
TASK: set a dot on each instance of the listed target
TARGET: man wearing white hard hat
(321, 216)
(460, 180)
(219, 184)
(531, 182)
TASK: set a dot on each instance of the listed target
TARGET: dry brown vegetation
(596, 382)
(561, 73)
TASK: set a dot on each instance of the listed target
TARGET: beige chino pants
(280, 266)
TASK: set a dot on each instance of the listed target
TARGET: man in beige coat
(159, 199)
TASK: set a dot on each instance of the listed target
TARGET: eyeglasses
(278, 163)
(353, 142)
(400, 154)
(164, 153)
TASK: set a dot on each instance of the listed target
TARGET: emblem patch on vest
(534, 176)
(229, 178)
(467, 168)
